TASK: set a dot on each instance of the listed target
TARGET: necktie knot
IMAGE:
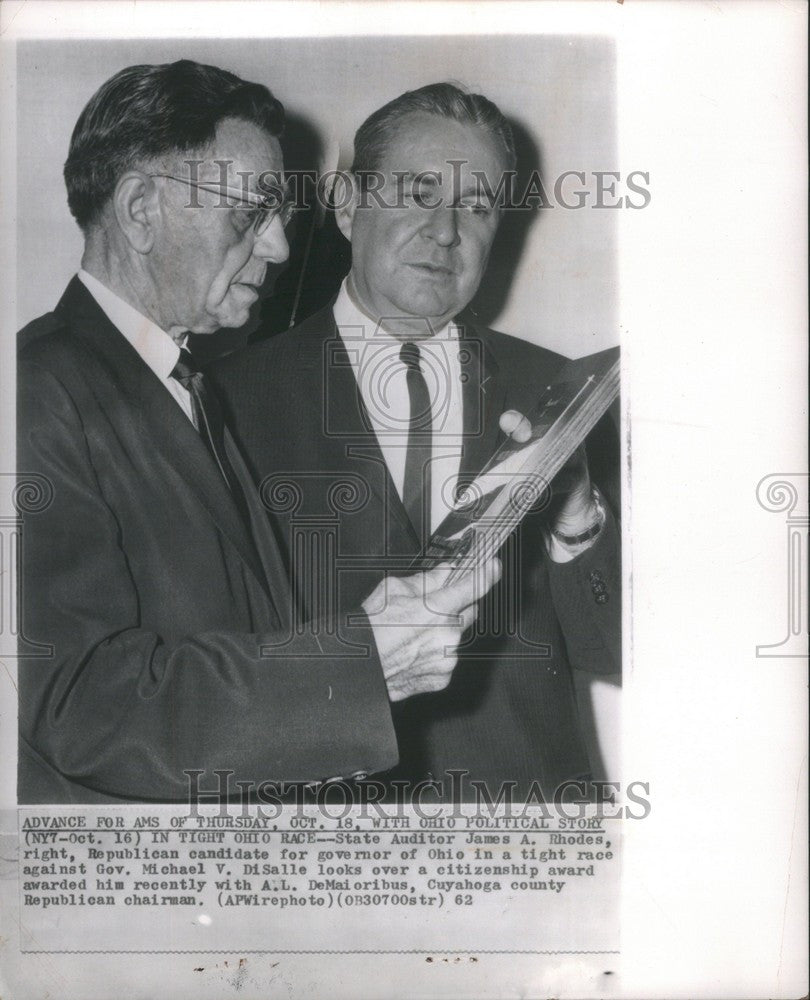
(410, 355)
(186, 368)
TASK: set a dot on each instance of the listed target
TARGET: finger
(513, 423)
(440, 683)
(424, 685)
(457, 618)
(438, 677)
(468, 588)
(469, 617)
(435, 579)
(463, 619)
(485, 576)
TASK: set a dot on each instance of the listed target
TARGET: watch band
(589, 533)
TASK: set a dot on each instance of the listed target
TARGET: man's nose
(442, 225)
(271, 244)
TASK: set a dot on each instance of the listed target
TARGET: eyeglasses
(251, 210)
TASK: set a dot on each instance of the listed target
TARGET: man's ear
(345, 196)
(136, 207)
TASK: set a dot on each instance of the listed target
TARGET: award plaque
(519, 475)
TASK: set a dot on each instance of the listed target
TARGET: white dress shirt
(155, 347)
(381, 376)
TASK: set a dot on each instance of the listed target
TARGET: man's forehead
(426, 141)
(239, 148)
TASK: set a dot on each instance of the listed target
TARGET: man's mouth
(430, 267)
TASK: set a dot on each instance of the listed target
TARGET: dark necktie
(210, 424)
(416, 486)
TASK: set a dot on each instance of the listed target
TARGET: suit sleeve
(587, 599)
(118, 708)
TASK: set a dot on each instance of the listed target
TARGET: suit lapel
(324, 360)
(274, 575)
(161, 422)
(483, 400)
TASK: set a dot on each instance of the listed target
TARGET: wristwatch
(590, 532)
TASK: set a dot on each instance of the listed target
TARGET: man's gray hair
(146, 111)
(444, 100)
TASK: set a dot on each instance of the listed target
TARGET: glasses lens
(277, 203)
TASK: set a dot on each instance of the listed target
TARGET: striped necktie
(210, 423)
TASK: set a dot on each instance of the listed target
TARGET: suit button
(598, 587)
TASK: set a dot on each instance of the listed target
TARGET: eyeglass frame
(250, 201)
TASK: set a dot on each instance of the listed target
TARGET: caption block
(129, 879)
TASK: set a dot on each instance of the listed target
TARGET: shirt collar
(354, 323)
(155, 347)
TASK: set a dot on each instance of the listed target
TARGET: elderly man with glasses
(158, 645)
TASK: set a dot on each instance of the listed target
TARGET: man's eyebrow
(472, 187)
(422, 176)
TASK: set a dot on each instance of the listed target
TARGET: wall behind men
(552, 277)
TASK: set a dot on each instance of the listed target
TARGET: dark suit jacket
(158, 599)
(509, 712)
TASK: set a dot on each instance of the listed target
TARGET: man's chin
(234, 322)
(436, 314)
(429, 305)
(233, 310)
(229, 319)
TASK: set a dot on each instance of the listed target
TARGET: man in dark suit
(153, 576)
(387, 394)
